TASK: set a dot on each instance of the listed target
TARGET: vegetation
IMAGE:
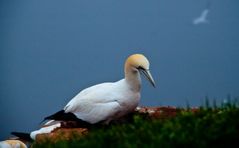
(207, 127)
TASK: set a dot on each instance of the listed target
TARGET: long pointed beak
(148, 76)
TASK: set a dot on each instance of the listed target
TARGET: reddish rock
(72, 128)
(62, 134)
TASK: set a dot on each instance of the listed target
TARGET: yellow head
(137, 60)
(13, 143)
(139, 63)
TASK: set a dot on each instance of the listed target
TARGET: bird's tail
(23, 136)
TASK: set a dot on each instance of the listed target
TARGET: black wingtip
(23, 136)
(63, 116)
(57, 116)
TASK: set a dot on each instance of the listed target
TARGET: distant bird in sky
(202, 19)
(104, 102)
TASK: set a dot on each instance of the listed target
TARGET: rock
(62, 133)
(72, 128)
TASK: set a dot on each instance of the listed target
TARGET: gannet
(103, 102)
(202, 19)
(108, 101)
(12, 144)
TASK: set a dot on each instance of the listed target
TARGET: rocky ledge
(70, 129)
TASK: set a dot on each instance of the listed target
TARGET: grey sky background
(52, 49)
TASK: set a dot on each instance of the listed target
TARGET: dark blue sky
(50, 50)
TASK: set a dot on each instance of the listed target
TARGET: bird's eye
(140, 68)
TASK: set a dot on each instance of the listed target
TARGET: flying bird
(103, 102)
(202, 19)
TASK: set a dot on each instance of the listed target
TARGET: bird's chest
(129, 102)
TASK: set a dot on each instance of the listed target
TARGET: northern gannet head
(139, 63)
(12, 143)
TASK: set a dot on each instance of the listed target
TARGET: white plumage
(44, 130)
(106, 101)
(109, 101)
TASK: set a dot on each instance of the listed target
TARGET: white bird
(202, 19)
(108, 101)
(12, 144)
(104, 102)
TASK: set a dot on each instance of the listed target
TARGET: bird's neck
(133, 79)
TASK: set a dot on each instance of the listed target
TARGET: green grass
(209, 127)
